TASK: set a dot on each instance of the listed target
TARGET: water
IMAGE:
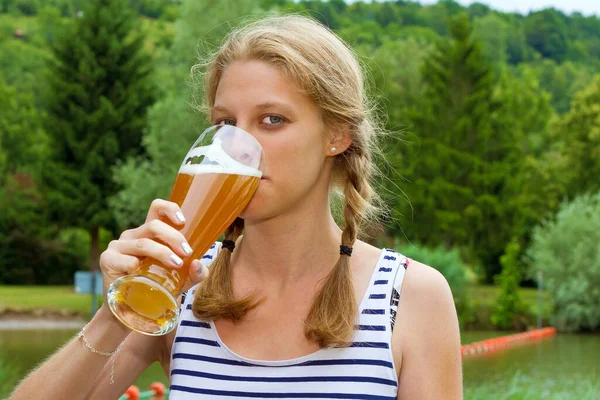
(562, 367)
(21, 351)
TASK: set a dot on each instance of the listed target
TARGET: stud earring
(333, 149)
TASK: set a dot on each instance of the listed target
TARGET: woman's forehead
(258, 85)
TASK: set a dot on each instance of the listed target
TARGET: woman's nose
(242, 146)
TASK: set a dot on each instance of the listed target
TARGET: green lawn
(44, 297)
(487, 295)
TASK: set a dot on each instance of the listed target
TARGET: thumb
(198, 272)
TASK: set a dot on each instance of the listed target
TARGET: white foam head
(215, 160)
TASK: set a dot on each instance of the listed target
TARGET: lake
(562, 367)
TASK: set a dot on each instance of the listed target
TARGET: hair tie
(228, 244)
(347, 250)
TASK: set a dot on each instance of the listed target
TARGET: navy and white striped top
(202, 367)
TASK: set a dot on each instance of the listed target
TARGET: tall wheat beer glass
(215, 182)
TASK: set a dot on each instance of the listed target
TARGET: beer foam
(216, 161)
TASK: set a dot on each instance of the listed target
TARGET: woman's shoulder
(426, 301)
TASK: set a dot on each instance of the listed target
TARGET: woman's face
(258, 98)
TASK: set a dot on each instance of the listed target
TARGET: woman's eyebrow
(262, 106)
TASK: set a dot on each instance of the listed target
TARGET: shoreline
(11, 319)
(39, 324)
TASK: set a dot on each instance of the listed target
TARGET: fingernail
(200, 269)
(175, 259)
(186, 248)
(179, 216)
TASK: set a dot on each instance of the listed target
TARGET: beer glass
(215, 182)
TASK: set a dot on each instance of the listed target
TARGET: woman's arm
(73, 371)
(427, 333)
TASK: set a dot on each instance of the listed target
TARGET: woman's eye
(272, 120)
(226, 121)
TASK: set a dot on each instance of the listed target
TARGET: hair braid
(332, 316)
(214, 298)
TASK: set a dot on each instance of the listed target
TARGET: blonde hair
(328, 72)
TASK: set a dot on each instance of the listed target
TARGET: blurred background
(491, 169)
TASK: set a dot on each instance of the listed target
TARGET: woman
(296, 307)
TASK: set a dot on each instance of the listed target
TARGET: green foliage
(565, 249)
(100, 90)
(547, 33)
(493, 32)
(562, 81)
(579, 135)
(30, 252)
(508, 304)
(458, 169)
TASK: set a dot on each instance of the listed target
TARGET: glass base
(143, 305)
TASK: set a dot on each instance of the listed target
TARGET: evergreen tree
(460, 167)
(508, 305)
(100, 91)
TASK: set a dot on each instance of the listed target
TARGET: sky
(586, 7)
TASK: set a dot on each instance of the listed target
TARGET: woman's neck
(291, 247)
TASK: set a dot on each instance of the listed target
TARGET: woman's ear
(339, 142)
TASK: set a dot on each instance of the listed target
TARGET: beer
(212, 189)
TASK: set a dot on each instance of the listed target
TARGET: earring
(333, 149)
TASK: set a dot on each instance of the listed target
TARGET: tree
(100, 91)
(565, 250)
(493, 31)
(460, 168)
(509, 305)
(547, 33)
(172, 124)
(579, 133)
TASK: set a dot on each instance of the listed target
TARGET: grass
(485, 296)
(523, 387)
(59, 298)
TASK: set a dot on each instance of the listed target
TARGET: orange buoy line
(498, 343)
(157, 391)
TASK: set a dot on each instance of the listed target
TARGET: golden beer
(211, 195)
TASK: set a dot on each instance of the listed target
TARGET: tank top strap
(206, 259)
(376, 306)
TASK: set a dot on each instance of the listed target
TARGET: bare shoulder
(426, 338)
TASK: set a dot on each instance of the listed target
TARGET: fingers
(145, 247)
(163, 232)
(122, 264)
(198, 273)
(165, 209)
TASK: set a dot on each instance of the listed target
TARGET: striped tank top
(203, 367)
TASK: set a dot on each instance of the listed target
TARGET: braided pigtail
(332, 317)
(214, 298)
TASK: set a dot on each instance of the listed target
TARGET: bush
(566, 250)
(449, 263)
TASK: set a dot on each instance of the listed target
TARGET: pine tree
(100, 91)
(459, 166)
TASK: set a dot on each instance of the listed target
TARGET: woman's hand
(156, 239)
